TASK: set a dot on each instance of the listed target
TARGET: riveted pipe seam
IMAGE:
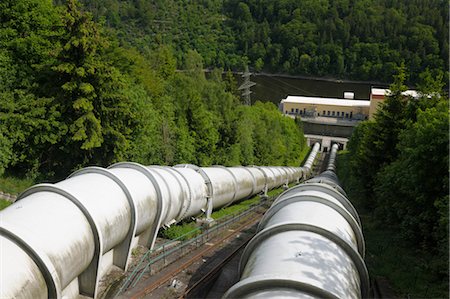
(186, 203)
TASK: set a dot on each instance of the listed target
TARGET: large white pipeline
(309, 244)
(59, 240)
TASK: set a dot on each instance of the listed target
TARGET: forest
(397, 174)
(71, 95)
(351, 39)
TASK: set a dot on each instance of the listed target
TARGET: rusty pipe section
(309, 244)
(59, 240)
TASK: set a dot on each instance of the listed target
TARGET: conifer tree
(89, 90)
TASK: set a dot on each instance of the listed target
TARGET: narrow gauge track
(184, 265)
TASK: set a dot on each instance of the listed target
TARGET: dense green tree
(362, 40)
(401, 160)
(30, 121)
(413, 190)
(374, 144)
(89, 91)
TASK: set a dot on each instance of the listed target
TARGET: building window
(351, 114)
(300, 112)
(328, 113)
(292, 110)
(323, 112)
(296, 110)
(333, 113)
(346, 115)
(337, 113)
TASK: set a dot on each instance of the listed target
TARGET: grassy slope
(406, 269)
(12, 186)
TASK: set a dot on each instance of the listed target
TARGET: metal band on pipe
(186, 203)
(253, 178)
(312, 198)
(235, 183)
(44, 264)
(296, 226)
(168, 170)
(253, 284)
(88, 283)
(122, 257)
(327, 189)
(208, 183)
(160, 202)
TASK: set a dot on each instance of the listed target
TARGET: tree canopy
(401, 159)
(362, 40)
(71, 95)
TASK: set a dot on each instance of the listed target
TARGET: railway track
(205, 250)
(206, 280)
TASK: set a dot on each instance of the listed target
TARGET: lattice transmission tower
(246, 85)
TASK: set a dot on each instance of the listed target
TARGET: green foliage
(373, 143)
(5, 152)
(29, 121)
(89, 92)
(182, 231)
(418, 178)
(363, 40)
(4, 203)
(399, 170)
(235, 208)
(409, 270)
(85, 99)
(13, 185)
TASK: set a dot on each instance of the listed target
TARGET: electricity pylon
(245, 87)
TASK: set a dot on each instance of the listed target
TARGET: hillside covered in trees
(71, 96)
(396, 170)
(353, 39)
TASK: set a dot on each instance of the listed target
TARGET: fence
(154, 260)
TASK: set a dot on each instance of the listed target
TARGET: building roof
(325, 101)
